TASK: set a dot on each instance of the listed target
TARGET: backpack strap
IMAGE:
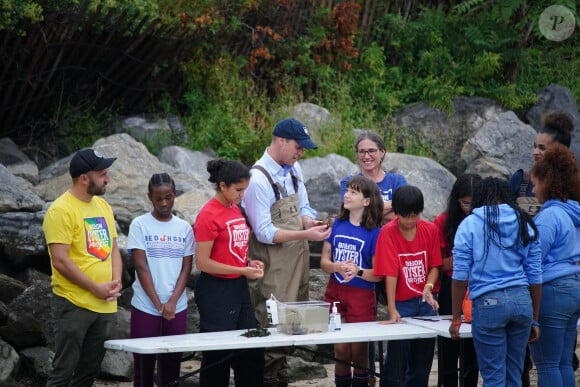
(525, 182)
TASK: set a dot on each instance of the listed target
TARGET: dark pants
(146, 325)
(408, 362)
(448, 350)
(80, 335)
(224, 305)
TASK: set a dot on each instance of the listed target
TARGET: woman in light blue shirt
(497, 249)
(557, 186)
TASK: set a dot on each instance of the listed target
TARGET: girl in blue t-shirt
(348, 256)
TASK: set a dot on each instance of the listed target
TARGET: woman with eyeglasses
(458, 208)
(370, 150)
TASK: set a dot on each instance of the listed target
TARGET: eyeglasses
(371, 151)
(464, 204)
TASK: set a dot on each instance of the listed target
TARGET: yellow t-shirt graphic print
(98, 239)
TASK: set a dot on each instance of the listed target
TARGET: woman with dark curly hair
(557, 186)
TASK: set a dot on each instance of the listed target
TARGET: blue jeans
(408, 362)
(559, 313)
(501, 327)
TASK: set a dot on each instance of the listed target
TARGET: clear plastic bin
(299, 318)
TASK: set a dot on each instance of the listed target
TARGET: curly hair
(558, 173)
(559, 125)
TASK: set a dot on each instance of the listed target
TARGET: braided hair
(158, 179)
(491, 192)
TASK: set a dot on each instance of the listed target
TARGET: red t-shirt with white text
(227, 228)
(408, 261)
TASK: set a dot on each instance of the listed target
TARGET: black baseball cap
(295, 130)
(87, 160)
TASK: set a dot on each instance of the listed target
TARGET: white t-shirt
(165, 244)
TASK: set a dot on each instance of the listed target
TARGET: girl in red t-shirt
(221, 292)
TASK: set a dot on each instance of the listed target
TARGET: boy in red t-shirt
(408, 254)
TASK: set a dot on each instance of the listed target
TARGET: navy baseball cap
(87, 160)
(295, 130)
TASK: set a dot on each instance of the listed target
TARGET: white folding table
(440, 324)
(210, 341)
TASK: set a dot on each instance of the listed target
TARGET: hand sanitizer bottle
(272, 310)
(335, 323)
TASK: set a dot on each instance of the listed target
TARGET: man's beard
(95, 190)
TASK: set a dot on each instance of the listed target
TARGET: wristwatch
(360, 273)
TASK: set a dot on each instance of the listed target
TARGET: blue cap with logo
(295, 130)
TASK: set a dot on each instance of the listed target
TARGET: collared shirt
(259, 197)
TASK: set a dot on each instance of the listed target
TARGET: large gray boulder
(21, 237)
(9, 362)
(429, 176)
(188, 205)
(190, 163)
(30, 317)
(500, 147)
(16, 193)
(446, 134)
(17, 161)
(37, 361)
(322, 176)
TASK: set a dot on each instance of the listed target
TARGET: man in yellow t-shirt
(80, 232)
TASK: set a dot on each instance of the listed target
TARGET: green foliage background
(432, 54)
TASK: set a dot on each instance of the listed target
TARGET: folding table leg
(159, 369)
(381, 361)
(462, 363)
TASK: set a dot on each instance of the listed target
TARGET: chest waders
(286, 265)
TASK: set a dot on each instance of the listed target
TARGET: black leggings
(224, 305)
